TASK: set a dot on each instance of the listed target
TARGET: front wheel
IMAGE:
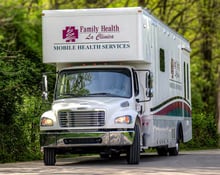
(49, 156)
(133, 154)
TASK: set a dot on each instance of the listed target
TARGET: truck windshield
(94, 82)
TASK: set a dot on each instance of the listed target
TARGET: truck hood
(88, 103)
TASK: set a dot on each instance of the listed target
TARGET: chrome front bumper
(77, 139)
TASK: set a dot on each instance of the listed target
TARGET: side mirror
(149, 84)
(44, 87)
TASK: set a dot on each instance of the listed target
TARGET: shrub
(204, 131)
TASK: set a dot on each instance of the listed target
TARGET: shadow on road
(95, 159)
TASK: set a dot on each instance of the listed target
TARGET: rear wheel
(174, 151)
(115, 155)
(49, 156)
(162, 151)
(104, 155)
(133, 154)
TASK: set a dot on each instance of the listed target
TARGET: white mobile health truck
(122, 86)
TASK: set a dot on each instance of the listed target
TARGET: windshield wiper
(69, 95)
(89, 95)
(103, 94)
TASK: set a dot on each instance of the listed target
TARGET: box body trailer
(122, 85)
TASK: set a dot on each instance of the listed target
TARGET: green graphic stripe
(177, 108)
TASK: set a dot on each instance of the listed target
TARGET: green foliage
(20, 77)
(20, 139)
(13, 143)
(204, 132)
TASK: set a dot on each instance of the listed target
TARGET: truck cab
(95, 110)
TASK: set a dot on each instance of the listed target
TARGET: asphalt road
(187, 163)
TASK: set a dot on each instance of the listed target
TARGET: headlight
(126, 119)
(46, 121)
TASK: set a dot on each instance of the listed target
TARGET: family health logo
(91, 33)
(70, 34)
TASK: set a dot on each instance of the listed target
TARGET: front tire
(49, 156)
(133, 154)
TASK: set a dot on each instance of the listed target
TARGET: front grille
(81, 118)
